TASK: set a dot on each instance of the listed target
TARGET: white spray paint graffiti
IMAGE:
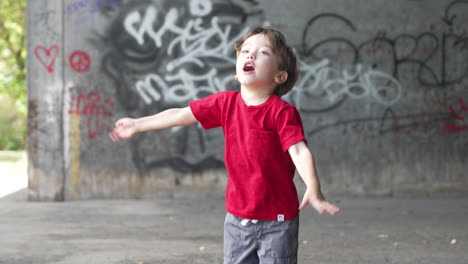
(192, 40)
(201, 7)
(185, 89)
(198, 47)
(354, 81)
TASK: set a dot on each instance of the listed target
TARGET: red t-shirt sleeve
(208, 111)
(289, 126)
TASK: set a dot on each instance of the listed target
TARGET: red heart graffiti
(47, 56)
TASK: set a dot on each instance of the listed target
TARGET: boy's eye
(244, 51)
(264, 52)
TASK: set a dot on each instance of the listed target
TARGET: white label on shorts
(280, 217)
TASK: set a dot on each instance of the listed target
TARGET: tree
(13, 99)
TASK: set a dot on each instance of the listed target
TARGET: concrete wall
(383, 92)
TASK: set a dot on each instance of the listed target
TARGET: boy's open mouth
(249, 66)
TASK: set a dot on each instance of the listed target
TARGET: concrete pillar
(45, 100)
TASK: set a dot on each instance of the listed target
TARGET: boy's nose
(250, 56)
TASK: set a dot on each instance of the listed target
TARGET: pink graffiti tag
(453, 127)
(47, 57)
(91, 106)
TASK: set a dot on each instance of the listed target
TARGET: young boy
(264, 144)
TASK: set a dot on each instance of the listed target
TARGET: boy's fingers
(120, 123)
(332, 209)
(303, 204)
(113, 136)
(301, 207)
(321, 208)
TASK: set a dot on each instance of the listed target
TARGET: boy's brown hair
(288, 61)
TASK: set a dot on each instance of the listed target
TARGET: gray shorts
(266, 242)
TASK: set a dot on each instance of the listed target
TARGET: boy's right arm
(126, 128)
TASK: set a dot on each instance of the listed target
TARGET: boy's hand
(125, 128)
(318, 203)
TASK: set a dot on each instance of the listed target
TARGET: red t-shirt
(260, 169)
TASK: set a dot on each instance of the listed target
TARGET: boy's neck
(255, 97)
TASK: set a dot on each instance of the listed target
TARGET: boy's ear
(237, 78)
(281, 77)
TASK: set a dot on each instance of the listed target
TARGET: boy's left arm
(305, 165)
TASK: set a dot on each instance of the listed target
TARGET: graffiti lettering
(428, 52)
(174, 52)
(187, 87)
(193, 40)
(330, 85)
(146, 24)
(90, 105)
(165, 54)
(200, 7)
(460, 124)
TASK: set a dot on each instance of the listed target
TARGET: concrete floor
(374, 231)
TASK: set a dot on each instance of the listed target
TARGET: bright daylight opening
(13, 172)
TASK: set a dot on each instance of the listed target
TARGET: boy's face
(257, 65)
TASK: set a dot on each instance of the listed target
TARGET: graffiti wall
(383, 92)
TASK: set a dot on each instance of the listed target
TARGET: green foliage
(13, 99)
(12, 124)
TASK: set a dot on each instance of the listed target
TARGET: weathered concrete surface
(374, 231)
(383, 92)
